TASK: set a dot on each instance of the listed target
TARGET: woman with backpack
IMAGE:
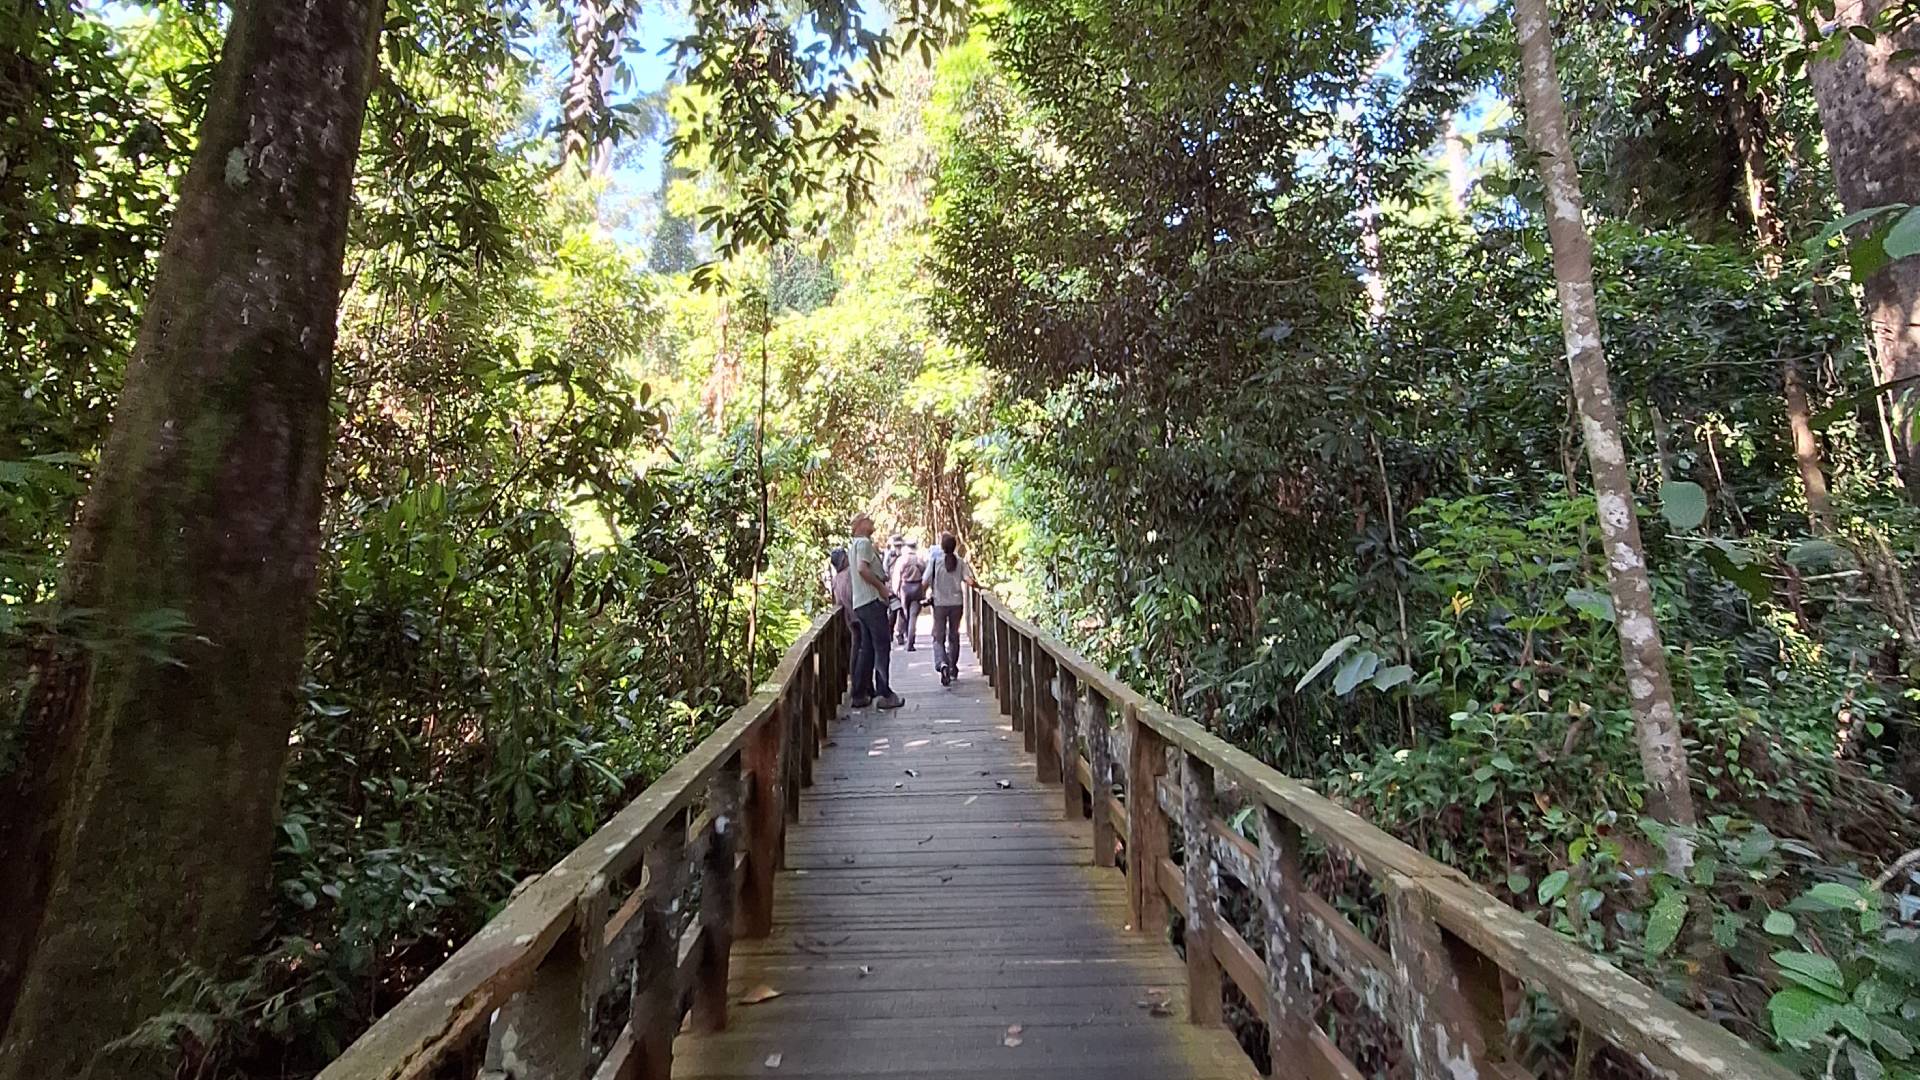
(946, 576)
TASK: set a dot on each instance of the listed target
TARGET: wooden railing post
(1100, 758)
(1451, 1013)
(656, 997)
(983, 635)
(1289, 975)
(793, 718)
(1017, 657)
(1203, 889)
(542, 1033)
(1030, 653)
(717, 889)
(1003, 652)
(1067, 693)
(765, 802)
(1046, 744)
(1146, 824)
(806, 720)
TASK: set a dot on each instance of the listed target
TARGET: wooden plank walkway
(937, 907)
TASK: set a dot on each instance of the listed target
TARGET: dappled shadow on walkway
(938, 917)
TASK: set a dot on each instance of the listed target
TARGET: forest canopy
(427, 420)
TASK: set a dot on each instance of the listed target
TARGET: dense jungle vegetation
(401, 469)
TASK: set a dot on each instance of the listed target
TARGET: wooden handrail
(535, 980)
(1458, 958)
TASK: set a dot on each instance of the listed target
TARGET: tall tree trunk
(1748, 114)
(157, 735)
(1869, 100)
(1669, 798)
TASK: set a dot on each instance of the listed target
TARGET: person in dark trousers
(873, 638)
(909, 576)
(947, 575)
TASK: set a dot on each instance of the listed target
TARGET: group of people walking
(882, 593)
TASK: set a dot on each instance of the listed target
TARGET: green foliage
(1850, 980)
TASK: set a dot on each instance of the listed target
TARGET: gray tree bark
(1642, 654)
(1869, 104)
(148, 797)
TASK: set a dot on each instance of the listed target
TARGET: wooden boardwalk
(938, 917)
(924, 908)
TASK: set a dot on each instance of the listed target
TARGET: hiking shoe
(946, 677)
(860, 702)
(891, 701)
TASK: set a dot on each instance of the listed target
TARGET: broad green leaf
(1737, 565)
(1553, 885)
(1326, 658)
(1592, 603)
(1800, 1017)
(1664, 921)
(1818, 246)
(1903, 239)
(1832, 896)
(1865, 1065)
(1778, 923)
(1891, 1039)
(1819, 968)
(296, 837)
(1358, 667)
(1815, 552)
(1683, 503)
(1388, 678)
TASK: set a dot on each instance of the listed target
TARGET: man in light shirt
(872, 634)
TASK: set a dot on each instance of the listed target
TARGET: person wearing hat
(895, 548)
(909, 574)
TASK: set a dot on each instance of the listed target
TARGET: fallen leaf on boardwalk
(759, 994)
(928, 840)
(1004, 783)
(971, 799)
(1156, 1002)
(910, 772)
(773, 1061)
(866, 970)
(899, 784)
(1013, 1036)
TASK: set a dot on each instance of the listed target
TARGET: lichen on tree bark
(155, 761)
(1642, 653)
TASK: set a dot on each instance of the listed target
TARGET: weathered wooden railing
(590, 969)
(1457, 964)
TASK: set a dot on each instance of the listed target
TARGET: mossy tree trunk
(144, 814)
(1642, 653)
(1869, 101)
